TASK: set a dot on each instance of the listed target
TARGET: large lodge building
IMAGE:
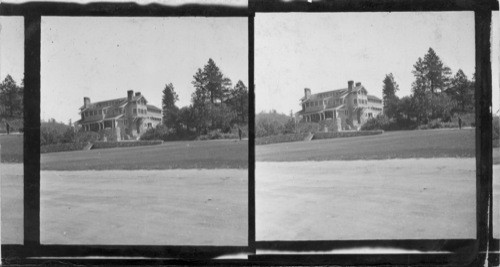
(349, 108)
(128, 117)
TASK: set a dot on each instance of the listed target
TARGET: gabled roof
(121, 101)
(338, 93)
(153, 107)
(372, 97)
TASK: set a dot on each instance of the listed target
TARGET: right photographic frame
(367, 128)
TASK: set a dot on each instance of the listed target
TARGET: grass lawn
(216, 154)
(12, 148)
(389, 145)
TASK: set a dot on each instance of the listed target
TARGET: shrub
(160, 132)
(109, 134)
(16, 125)
(85, 137)
(244, 131)
(62, 147)
(329, 135)
(382, 122)
(217, 134)
(282, 138)
(272, 123)
(55, 133)
(101, 145)
(378, 123)
(307, 127)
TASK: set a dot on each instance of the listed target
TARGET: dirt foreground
(370, 199)
(144, 207)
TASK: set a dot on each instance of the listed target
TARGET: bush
(85, 137)
(307, 127)
(101, 145)
(329, 135)
(244, 131)
(160, 132)
(217, 134)
(53, 133)
(378, 123)
(109, 134)
(437, 124)
(16, 125)
(282, 138)
(273, 123)
(62, 147)
(382, 122)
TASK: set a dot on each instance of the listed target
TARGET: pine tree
(389, 96)
(238, 101)
(211, 83)
(462, 92)
(170, 110)
(435, 72)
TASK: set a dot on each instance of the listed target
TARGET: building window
(355, 101)
(135, 111)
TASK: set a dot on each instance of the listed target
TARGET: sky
(278, 54)
(102, 58)
(12, 47)
(322, 51)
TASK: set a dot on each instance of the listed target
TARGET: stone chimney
(86, 102)
(349, 85)
(130, 93)
(138, 94)
(358, 84)
(307, 92)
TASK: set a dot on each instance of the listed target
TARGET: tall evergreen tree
(434, 74)
(213, 84)
(170, 110)
(389, 96)
(212, 90)
(431, 77)
(462, 92)
(238, 101)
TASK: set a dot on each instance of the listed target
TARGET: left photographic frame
(142, 132)
(11, 127)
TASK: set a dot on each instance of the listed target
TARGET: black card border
(33, 252)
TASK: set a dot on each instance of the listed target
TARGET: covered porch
(101, 124)
(326, 114)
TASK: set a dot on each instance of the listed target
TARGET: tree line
(436, 94)
(216, 105)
